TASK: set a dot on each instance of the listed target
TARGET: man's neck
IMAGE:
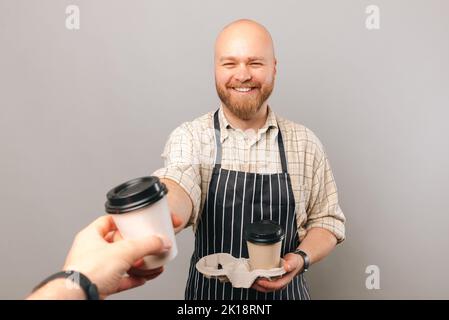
(255, 123)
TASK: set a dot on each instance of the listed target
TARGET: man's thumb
(290, 263)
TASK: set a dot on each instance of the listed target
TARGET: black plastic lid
(135, 194)
(264, 232)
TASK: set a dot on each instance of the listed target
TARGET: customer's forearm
(318, 243)
(179, 202)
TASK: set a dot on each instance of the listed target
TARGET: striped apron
(235, 199)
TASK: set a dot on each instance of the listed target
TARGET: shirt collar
(270, 123)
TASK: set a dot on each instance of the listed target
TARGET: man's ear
(275, 63)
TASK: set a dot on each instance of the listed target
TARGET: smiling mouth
(243, 89)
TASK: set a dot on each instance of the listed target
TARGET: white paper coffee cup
(140, 208)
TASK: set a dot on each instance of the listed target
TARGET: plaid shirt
(189, 157)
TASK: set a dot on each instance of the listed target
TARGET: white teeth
(242, 89)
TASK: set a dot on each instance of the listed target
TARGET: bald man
(242, 164)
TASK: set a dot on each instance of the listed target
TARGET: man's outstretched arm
(179, 203)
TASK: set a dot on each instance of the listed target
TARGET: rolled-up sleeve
(181, 165)
(324, 210)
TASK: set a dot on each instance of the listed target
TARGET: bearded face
(244, 99)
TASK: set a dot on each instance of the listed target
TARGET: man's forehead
(243, 48)
(244, 53)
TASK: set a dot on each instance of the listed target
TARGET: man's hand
(318, 243)
(180, 202)
(293, 264)
(100, 253)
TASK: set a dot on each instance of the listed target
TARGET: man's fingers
(102, 225)
(273, 285)
(144, 273)
(113, 236)
(176, 220)
(157, 274)
(267, 286)
(138, 263)
(109, 236)
(257, 287)
(136, 249)
(117, 236)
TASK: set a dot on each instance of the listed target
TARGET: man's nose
(243, 74)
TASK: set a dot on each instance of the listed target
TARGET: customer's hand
(100, 253)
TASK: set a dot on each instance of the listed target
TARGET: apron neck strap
(218, 148)
(217, 141)
(282, 151)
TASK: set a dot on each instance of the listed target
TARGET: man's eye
(256, 64)
(229, 64)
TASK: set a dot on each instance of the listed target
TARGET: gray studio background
(82, 111)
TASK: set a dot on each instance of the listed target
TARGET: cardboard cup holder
(225, 267)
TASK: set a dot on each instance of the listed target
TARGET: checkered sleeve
(324, 210)
(182, 166)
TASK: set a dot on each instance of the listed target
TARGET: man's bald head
(241, 35)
